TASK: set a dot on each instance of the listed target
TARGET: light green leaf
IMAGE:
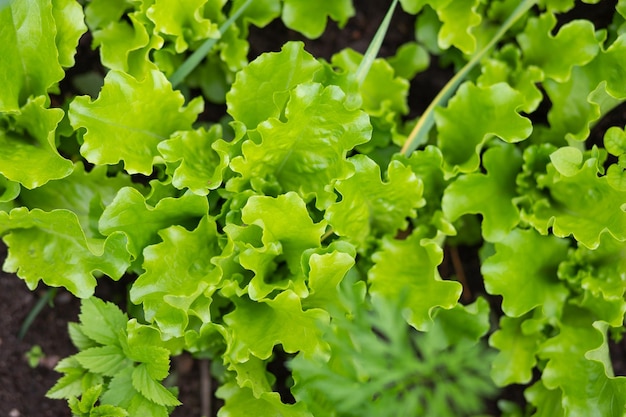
(142, 406)
(326, 272)
(9, 190)
(242, 402)
(306, 152)
(102, 321)
(196, 159)
(310, 18)
(525, 285)
(575, 44)
(259, 12)
(517, 352)
(369, 206)
(83, 193)
(106, 360)
(587, 388)
(52, 247)
(567, 160)
(547, 401)
(253, 374)
(256, 327)
(406, 271)
(30, 59)
(458, 18)
(28, 152)
(489, 194)
(258, 92)
(151, 389)
(583, 205)
(70, 26)
(183, 21)
(129, 213)
(474, 115)
(462, 322)
(120, 124)
(615, 141)
(178, 272)
(99, 13)
(120, 391)
(410, 59)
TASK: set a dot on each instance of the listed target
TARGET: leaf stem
(419, 134)
(374, 46)
(199, 54)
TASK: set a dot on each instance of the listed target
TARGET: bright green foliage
(525, 285)
(369, 207)
(464, 126)
(242, 402)
(310, 18)
(29, 135)
(119, 123)
(489, 194)
(406, 271)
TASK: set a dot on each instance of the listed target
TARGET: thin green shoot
(199, 54)
(419, 134)
(32, 315)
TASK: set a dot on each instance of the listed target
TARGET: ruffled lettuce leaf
(310, 18)
(305, 152)
(121, 124)
(406, 271)
(178, 277)
(259, 91)
(526, 285)
(371, 207)
(70, 26)
(242, 402)
(489, 194)
(474, 115)
(51, 246)
(28, 152)
(196, 159)
(130, 214)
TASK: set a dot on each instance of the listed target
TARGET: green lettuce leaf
(51, 246)
(474, 115)
(406, 271)
(259, 90)
(525, 285)
(306, 152)
(369, 206)
(256, 327)
(196, 159)
(70, 26)
(489, 194)
(28, 152)
(120, 125)
(130, 214)
(178, 274)
(30, 57)
(242, 402)
(310, 18)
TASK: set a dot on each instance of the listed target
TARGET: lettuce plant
(311, 219)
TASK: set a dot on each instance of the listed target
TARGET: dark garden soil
(23, 388)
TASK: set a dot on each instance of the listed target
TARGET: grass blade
(419, 134)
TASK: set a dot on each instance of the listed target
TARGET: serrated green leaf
(489, 194)
(370, 206)
(307, 151)
(79, 339)
(130, 213)
(119, 123)
(106, 360)
(151, 389)
(108, 411)
(183, 21)
(70, 26)
(310, 18)
(406, 271)
(253, 374)
(196, 159)
(474, 115)
(120, 391)
(258, 91)
(69, 385)
(155, 359)
(178, 272)
(242, 402)
(525, 285)
(553, 54)
(83, 193)
(586, 387)
(256, 327)
(32, 138)
(102, 321)
(30, 60)
(51, 246)
(517, 352)
(142, 406)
